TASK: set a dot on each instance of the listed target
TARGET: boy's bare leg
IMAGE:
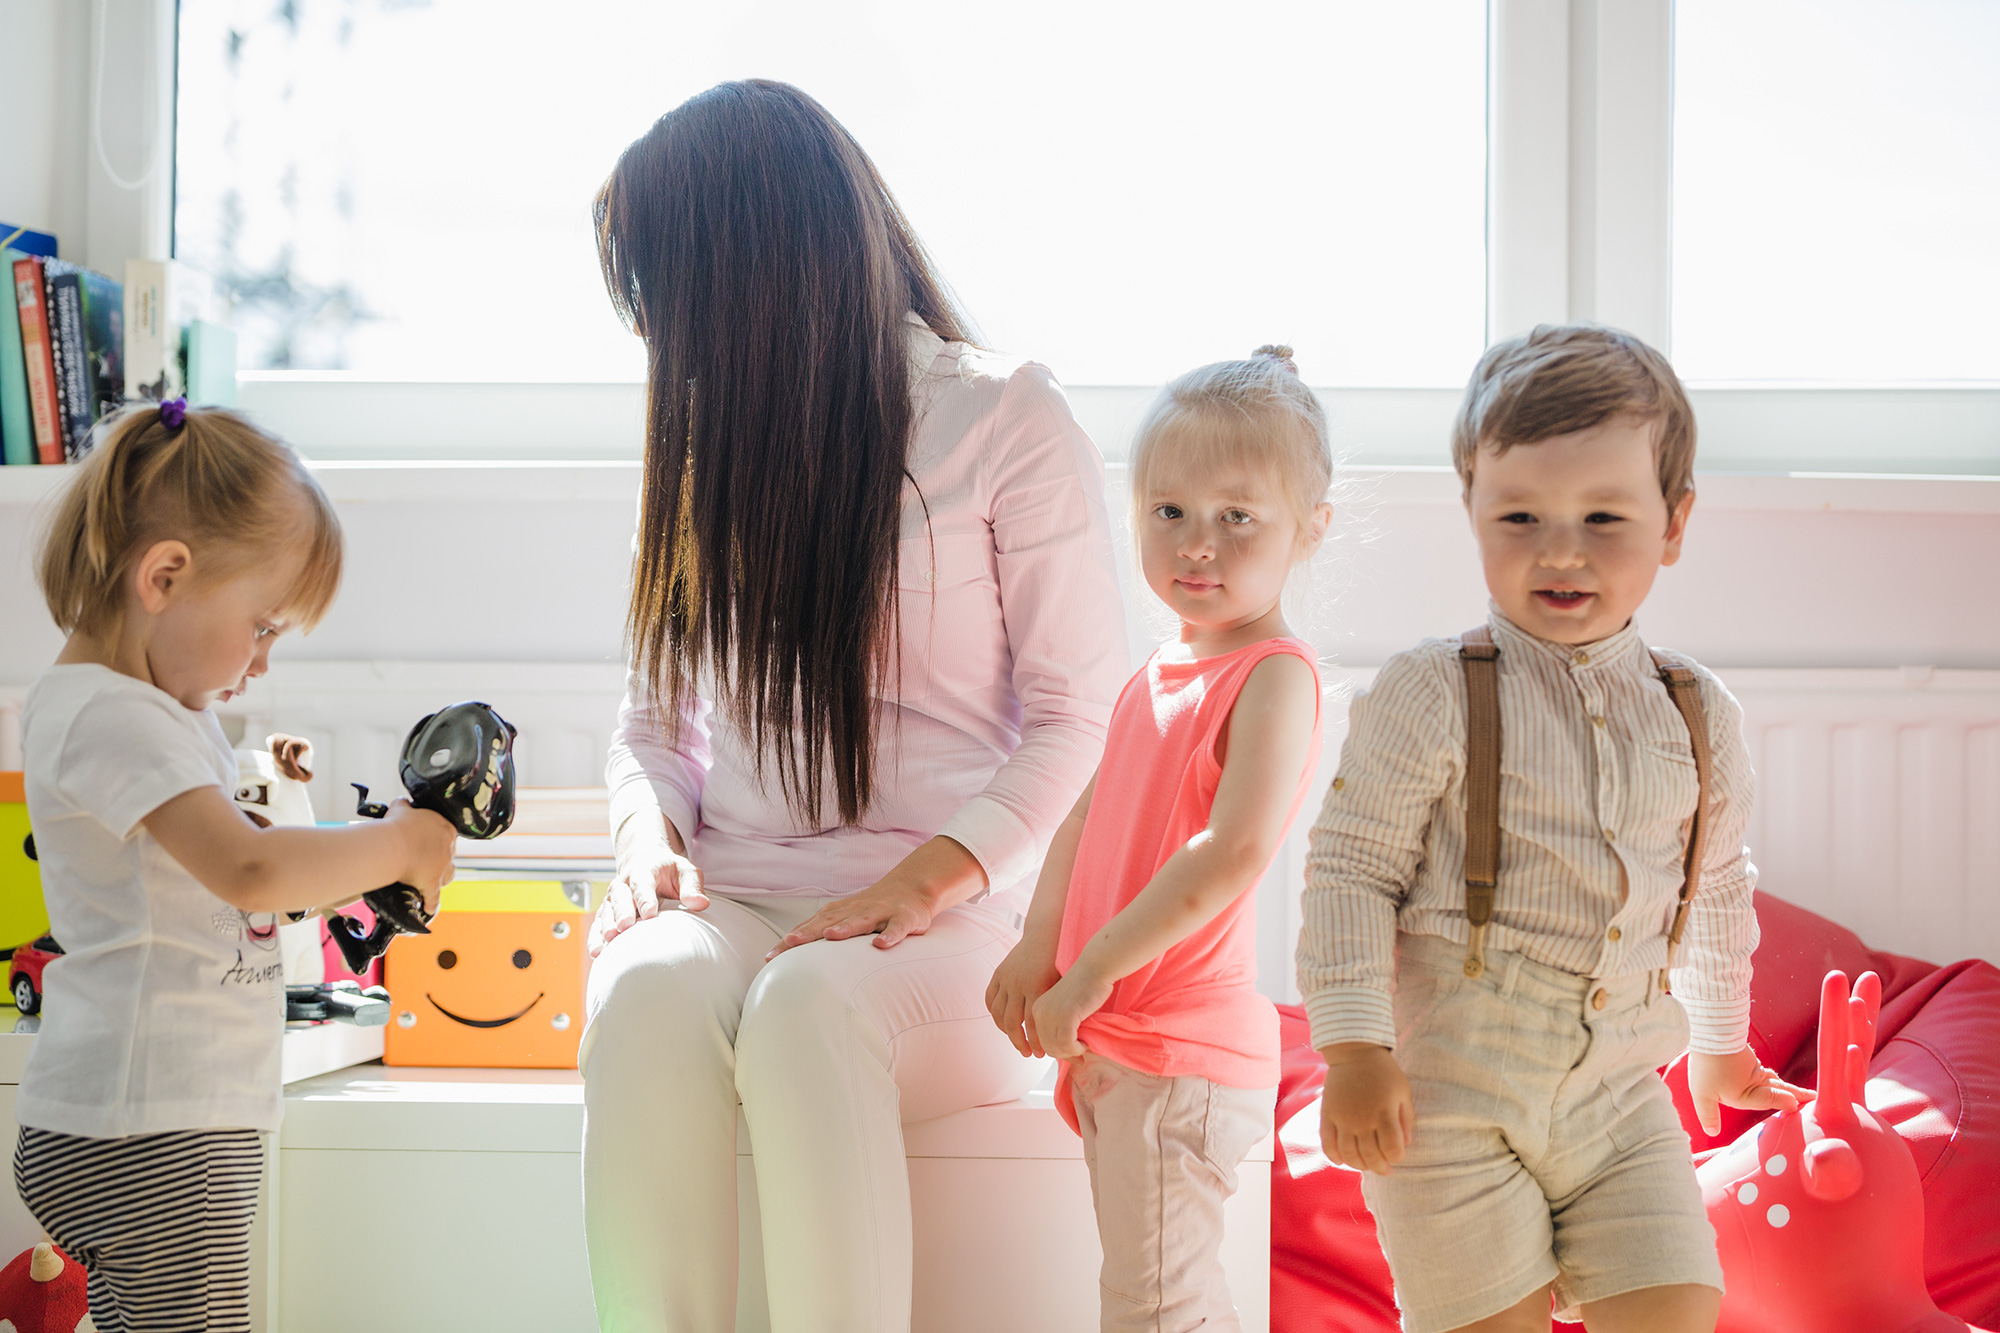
(1685, 1308)
(1530, 1314)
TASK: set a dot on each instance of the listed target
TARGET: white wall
(528, 564)
(44, 99)
(53, 171)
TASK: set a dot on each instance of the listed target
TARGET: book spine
(66, 305)
(152, 341)
(17, 421)
(38, 357)
(104, 340)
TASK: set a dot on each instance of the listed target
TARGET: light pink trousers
(1163, 1154)
(830, 1048)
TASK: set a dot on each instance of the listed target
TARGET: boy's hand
(429, 840)
(1063, 1007)
(1023, 976)
(1367, 1117)
(1740, 1080)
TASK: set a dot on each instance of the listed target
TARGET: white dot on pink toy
(1776, 1165)
(1748, 1194)
(1779, 1215)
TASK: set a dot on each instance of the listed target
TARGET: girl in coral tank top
(1137, 968)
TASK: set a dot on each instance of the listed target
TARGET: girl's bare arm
(299, 869)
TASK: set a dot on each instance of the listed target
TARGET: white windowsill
(1938, 430)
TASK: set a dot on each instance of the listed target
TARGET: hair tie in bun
(174, 413)
(1280, 353)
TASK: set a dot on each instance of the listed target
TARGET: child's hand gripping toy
(1818, 1212)
(459, 763)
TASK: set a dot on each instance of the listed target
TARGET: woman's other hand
(904, 902)
(1024, 974)
(651, 872)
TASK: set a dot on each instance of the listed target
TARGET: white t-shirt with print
(166, 1010)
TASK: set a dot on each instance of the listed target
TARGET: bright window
(402, 189)
(1837, 190)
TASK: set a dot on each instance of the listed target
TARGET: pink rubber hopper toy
(1818, 1212)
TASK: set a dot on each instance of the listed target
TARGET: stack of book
(75, 345)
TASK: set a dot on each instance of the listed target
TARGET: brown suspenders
(1481, 659)
(1482, 787)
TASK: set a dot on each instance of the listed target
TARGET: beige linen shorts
(1547, 1149)
(1163, 1154)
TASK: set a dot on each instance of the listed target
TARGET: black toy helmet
(459, 762)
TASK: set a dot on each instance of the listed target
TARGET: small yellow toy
(23, 916)
(498, 982)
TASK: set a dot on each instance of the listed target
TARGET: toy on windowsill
(459, 763)
(271, 790)
(337, 1002)
(24, 973)
(22, 913)
(1819, 1212)
(43, 1290)
(498, 981)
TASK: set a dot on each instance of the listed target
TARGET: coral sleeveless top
(1194, 1009)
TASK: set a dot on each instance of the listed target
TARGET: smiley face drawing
(498, 983)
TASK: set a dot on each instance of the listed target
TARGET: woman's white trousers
(830, 1048)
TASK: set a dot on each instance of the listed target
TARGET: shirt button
(1614, 934)
(1339, 783)
(1599, 999)
(1580, 657)
(1598, 721)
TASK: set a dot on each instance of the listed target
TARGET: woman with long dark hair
(875, 635)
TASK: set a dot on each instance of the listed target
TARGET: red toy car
(24, 977)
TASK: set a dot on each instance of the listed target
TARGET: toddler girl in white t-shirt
(186, 542)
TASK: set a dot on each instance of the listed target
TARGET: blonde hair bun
(1257, 408)
(1279, 352)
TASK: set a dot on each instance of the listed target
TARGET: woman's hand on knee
(648, 878)
(889, 910)
(938, 875)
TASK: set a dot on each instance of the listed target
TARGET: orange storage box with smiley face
(497, 983)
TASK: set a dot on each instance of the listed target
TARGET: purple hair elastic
(174, 413)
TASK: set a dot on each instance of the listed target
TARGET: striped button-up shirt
(1597, 789)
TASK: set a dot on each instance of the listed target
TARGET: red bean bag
(1935, 1076)
(1327, 1271)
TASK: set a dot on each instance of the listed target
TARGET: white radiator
(1878, 802)
(1878, 790)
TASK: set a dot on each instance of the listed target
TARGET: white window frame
(1579, 227)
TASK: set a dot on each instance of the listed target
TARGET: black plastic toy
(337, 1001)
(459, 763)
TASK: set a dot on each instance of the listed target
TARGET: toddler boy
(1492, 1038)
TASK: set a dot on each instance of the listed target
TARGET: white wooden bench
(423, 1199)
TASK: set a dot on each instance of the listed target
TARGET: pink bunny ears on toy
(1846, 1043)
(1830, 1167)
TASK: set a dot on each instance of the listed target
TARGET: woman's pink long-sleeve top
(1013, 652)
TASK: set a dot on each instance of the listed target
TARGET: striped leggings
(160, 1222)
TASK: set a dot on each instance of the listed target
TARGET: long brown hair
(754, 246)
